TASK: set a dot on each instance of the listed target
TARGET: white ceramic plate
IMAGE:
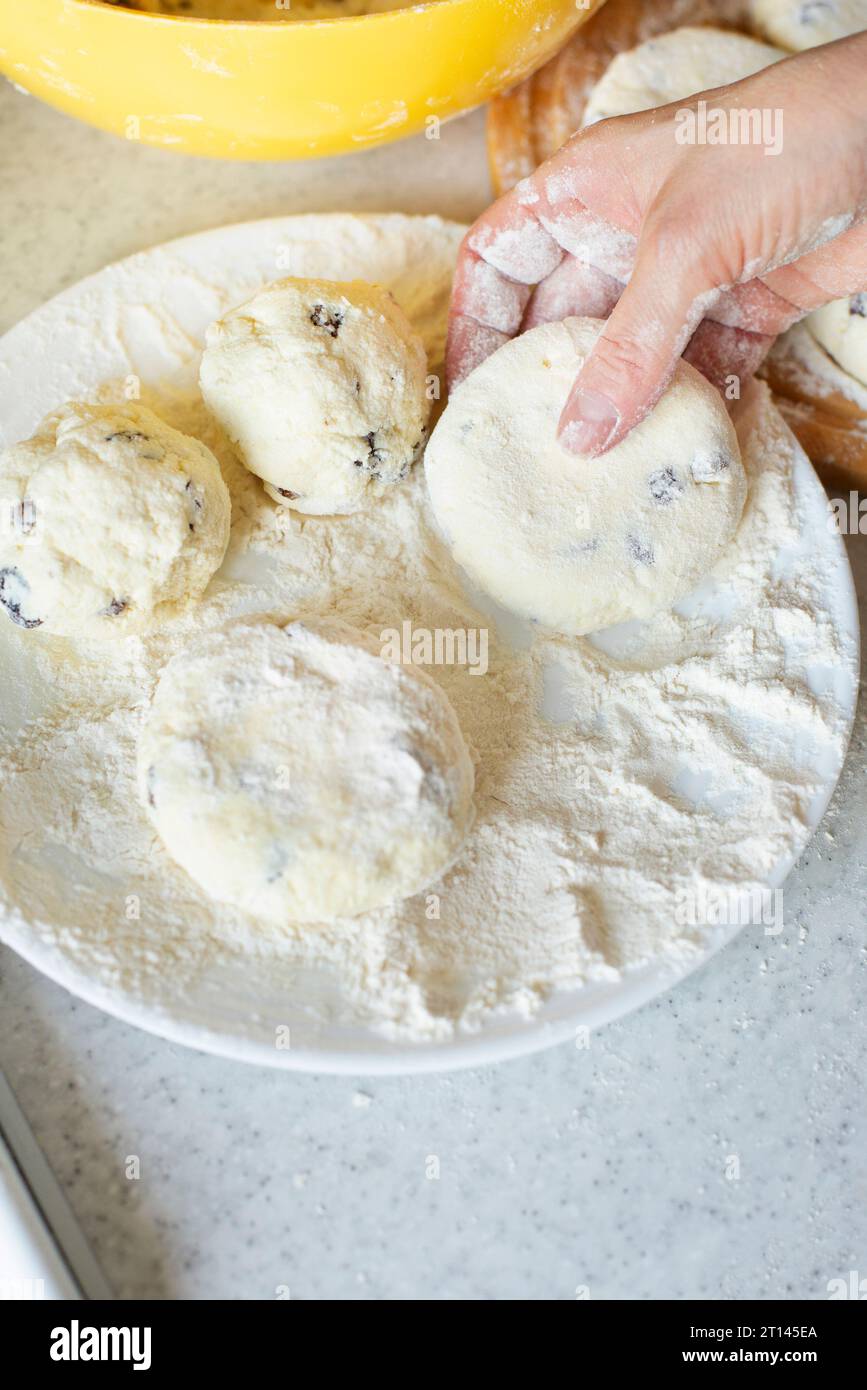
(116, 314)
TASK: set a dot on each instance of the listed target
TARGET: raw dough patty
(321, 386)
(799, 24)
(111, 518)
(673, 67)
(297, 774)
(580, 545)
(841, 328)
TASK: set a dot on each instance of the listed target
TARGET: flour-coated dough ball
(297, 774)
(800, 24)
(322, 387)
(113, 519)
(581, 544)
(674, 66)
(841, 328)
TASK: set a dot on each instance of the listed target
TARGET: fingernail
(592, 420)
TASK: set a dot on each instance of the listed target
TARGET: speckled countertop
(609, 1169)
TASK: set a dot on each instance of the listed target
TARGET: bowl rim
(411, 7)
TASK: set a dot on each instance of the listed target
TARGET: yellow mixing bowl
(277, 89)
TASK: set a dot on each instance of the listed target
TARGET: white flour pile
(586, 827)
(688, 761)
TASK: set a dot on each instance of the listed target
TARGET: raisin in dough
(581, 544)
(672, 67)
(321, 386)
(800, 24)
(841, 328)
(114, 518)
(297, 774)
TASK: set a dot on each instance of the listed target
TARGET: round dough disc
(581, 544)
(673, 67)
(113, 518)
(841, 328)
(800, 24)
(297, 774)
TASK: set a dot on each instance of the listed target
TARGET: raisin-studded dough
(841, 328)
(297, 774)
(321, 386)
(799, 24)
(111, 519)
(672, 67)
(581, 544)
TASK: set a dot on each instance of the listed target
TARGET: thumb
(633, 358)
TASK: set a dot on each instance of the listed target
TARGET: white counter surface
(609, 1169)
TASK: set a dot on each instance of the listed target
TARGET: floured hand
(706, 250)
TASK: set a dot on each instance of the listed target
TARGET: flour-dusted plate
(639, 795)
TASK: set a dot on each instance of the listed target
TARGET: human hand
(705, 250)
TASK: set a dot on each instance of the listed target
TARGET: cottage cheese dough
(673, 67)
(111, 518)
(322, 387)
(799, 24)
(579, 545)
(297, 774)
(841, 328)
